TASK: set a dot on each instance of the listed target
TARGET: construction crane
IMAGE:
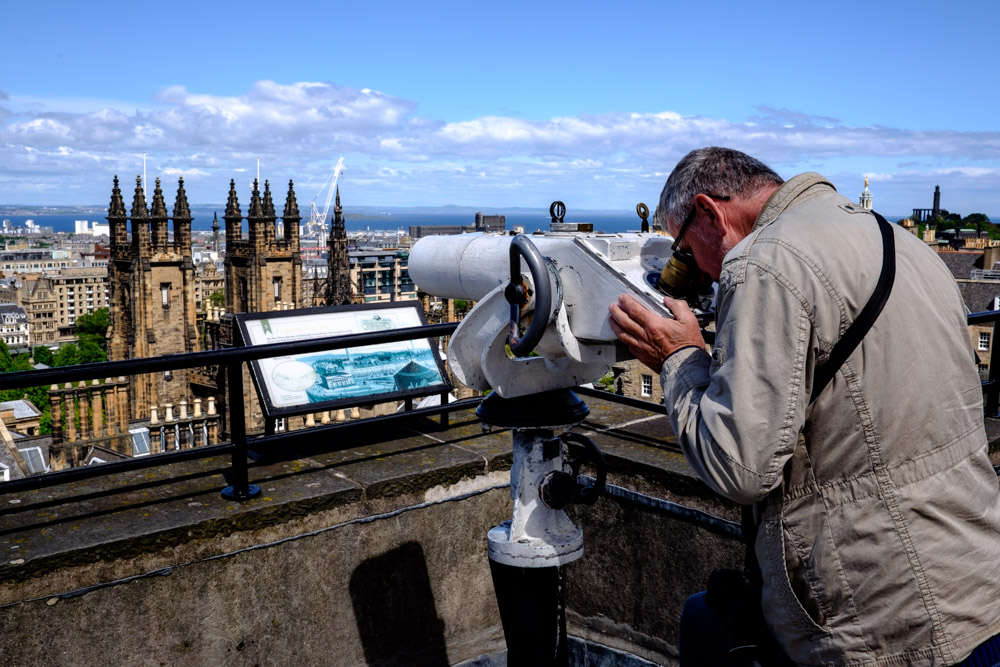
(314, 217)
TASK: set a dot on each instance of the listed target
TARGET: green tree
(92, 329)
(91, 350)
(974, 219)
(68, 354)
(6, 361)
(37, 395)
(22, 362)
(217, 299)
(43, 355)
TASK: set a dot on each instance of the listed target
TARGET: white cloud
(186, 173)
(399, 157)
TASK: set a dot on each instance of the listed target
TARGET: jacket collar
(793, 189)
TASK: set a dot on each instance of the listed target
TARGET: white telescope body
(586, 273)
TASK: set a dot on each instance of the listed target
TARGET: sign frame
(328, 380)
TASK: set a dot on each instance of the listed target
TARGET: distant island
(14, 209)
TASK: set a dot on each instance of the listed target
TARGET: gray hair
(715, 170)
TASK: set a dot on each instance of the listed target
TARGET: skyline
(495, 107)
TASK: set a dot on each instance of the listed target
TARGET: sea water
(604, 221)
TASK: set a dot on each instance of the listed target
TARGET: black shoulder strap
(852, 337)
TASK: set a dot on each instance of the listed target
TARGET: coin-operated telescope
(531, 337)
(556, 312)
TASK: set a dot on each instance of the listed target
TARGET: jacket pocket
(790, 598)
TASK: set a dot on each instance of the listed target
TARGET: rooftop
(367, 545)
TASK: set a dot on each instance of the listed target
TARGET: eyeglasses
(690, 218)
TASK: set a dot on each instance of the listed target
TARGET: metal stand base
(559, 407)
(533, 614)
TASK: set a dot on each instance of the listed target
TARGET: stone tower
(338, 274)
(263, 271)
(215, 234)
(152, 283)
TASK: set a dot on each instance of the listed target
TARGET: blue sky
(497, 104)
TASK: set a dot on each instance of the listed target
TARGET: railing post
(241, 489)
(445, 414)
(993, 393)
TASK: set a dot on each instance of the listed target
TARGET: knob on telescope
(518, 295)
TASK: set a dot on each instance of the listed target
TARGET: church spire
(140, 217)
(338, 272)
(255, 220)
(181, 209)
(117, 220)
(158, 218)
(182, 220)
(291, 218)
(233, 218)
(270, 217)
(117, 207)
(139, 200)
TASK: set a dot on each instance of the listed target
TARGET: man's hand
(650, 337)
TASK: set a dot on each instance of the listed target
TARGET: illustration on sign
(405, 367)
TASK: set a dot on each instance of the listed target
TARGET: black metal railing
(232, 359)
(239, 446)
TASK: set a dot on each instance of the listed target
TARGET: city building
(87, 228)
(34, 260)
(54, 300)
(484, 223)
(382, 275)
(14, 328)
(208, 281)
(977, 273)
(38, 296)
(78, 292)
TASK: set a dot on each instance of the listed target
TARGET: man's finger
(679, 307)
(635, 310)
(621, 322)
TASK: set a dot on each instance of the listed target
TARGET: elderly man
(878, 510)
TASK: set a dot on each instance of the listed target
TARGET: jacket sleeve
(738, 413)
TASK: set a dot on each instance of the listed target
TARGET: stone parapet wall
(367, 545)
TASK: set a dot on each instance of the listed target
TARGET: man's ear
(718, 221)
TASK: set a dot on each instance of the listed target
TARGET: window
(984, 368)
(4, 473)
(277, 290)
(984, 340)
(33, 459)
(647, 385)
(165, 294)
(140, 441)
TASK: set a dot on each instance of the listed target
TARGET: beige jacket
(880, 537)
